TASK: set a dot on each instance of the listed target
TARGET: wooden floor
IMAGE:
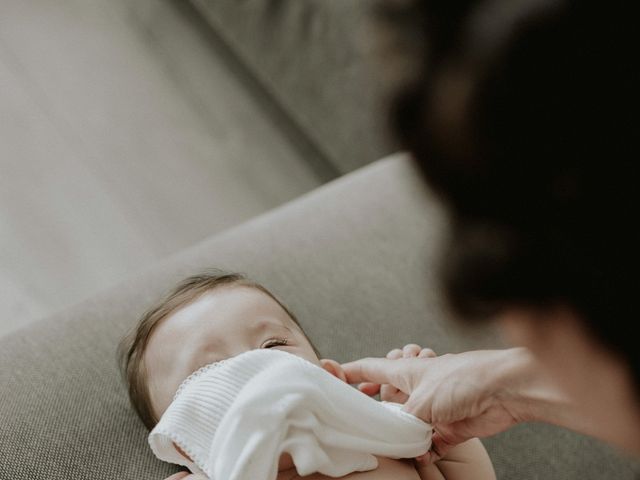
(123, 139)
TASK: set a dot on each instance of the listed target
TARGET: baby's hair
(132, 347)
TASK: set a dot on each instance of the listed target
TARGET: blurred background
(133, 129)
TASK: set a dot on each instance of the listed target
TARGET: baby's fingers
(427, 353)
(411, 350)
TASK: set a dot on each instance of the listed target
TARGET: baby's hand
(389, 393)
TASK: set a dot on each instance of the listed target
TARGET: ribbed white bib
(234, 418)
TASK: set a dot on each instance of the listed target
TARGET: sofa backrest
(313, 57)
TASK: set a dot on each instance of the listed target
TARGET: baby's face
(220, 324)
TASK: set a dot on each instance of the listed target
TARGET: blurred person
(522, 117)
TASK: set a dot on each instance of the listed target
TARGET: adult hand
(466, 395)
(388, 392)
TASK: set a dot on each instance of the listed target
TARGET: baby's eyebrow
(259, 326)
(264, 324)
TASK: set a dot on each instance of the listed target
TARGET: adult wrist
(525, 390)
(515, 384)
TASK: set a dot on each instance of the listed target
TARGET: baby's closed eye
(275, 342)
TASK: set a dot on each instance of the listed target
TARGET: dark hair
(521, 115)
(133, 346)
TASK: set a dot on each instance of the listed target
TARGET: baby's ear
(334, 368)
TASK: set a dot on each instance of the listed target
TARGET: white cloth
(234, 418)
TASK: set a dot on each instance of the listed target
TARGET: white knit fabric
(234, 418)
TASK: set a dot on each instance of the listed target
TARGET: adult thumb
(447, 436)
(440, 446)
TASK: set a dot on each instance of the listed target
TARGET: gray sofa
(354, 259)
(312, 59)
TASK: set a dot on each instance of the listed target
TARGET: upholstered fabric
(314, 57)
(353, 259)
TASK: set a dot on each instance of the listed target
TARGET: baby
(214, 316)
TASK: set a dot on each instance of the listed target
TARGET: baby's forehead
(222, 313)
(241, 303)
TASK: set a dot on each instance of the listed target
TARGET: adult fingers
(375, 370)
(440, 446)
(371, 389)
(388, 392)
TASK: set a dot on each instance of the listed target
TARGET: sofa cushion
(353, 259)
(311, 56)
